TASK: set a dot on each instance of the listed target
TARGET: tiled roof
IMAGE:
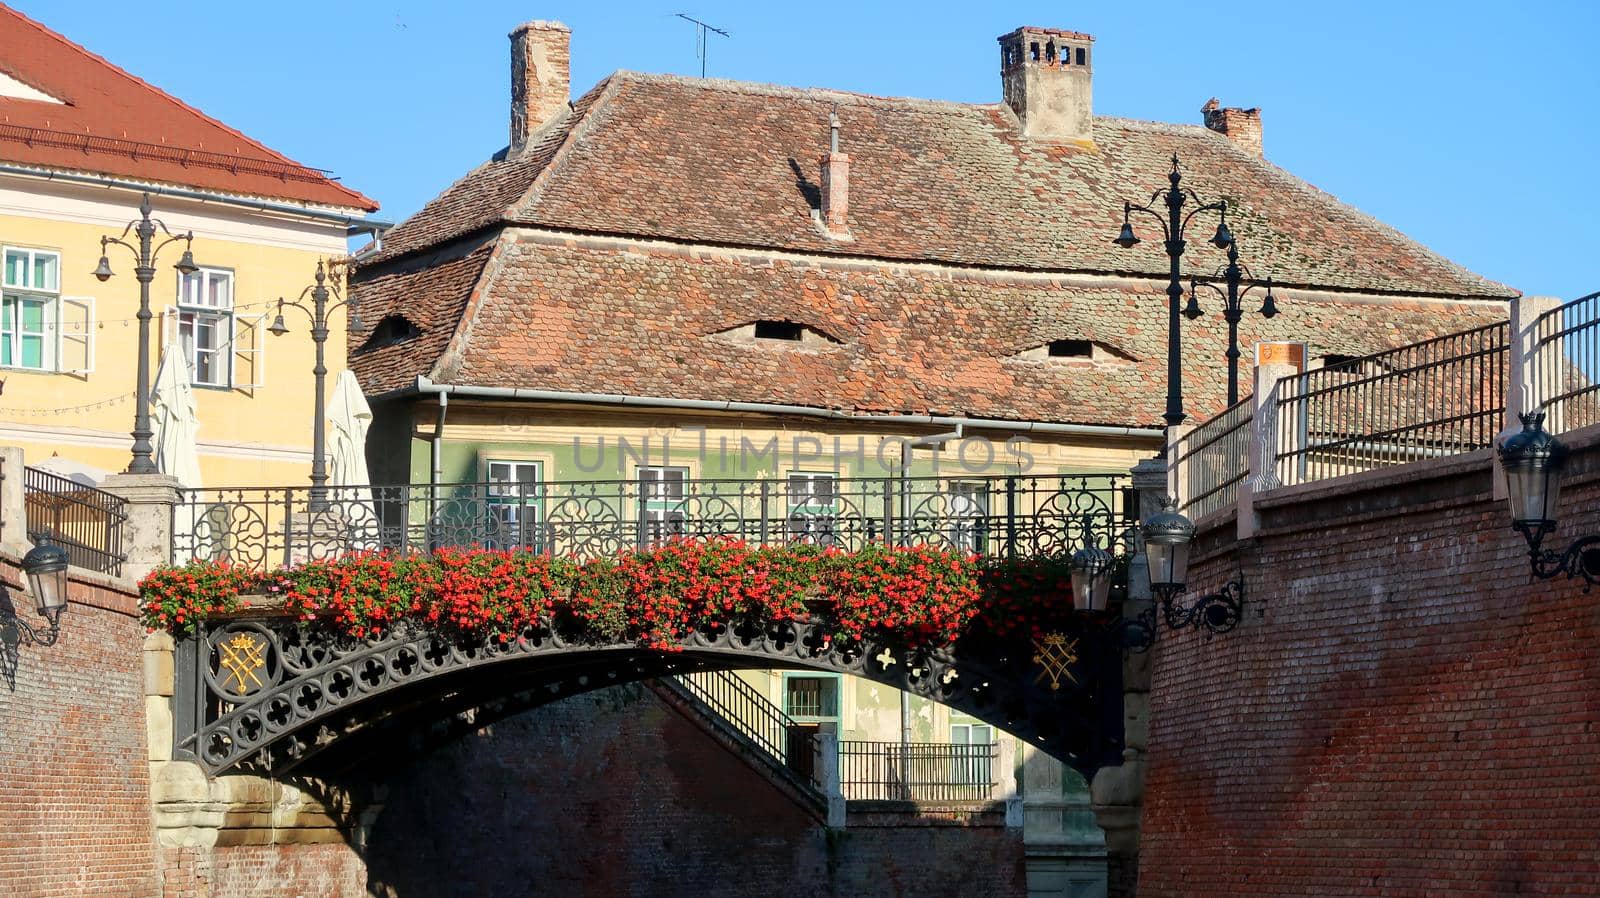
(110, 122)
(431, 293)
(581, 318)
(734, 163)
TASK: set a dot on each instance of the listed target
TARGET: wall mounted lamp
(1533, 460)
(46, 567)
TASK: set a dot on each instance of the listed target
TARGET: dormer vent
(1048, 81)
(1070, 349)
(779, 330)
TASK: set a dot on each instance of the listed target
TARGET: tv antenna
(702, 33)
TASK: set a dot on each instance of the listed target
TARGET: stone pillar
(1261, 457)
(1536, 372)
(826, 766)
(147, 534)
(13, 514)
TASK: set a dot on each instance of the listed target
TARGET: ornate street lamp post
(319, 310)
(1173, 224)
(145, 229)
(1232, 310)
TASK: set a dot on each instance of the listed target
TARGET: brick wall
(1401, 713)
(264, 871)
(74, 783)
(614, 793)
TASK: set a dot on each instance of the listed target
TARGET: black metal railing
(85, 521)
(1563, 362)
(1213, 459)
(756, 717)
(917, 771)
(994, 516)
(1436, 398)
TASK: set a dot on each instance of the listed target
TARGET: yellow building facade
(70, 341)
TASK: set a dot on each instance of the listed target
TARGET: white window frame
(663, 490)
(515, 512)
(13, 295)
(191, 312)
(969, 515)
(977, 768)
(810, 520)
(831, 696)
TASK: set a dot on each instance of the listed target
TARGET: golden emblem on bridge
(242, 657)
(1056, 654)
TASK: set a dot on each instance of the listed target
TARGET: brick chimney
(1048, 78)
(1242, 126)
(835, 184)
(541, 53)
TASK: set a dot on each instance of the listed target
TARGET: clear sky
(1472, 126)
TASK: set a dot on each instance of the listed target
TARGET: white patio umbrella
(349, 418)
(176, 423)
(174, 419)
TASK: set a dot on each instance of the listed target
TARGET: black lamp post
(1232, 310)
(319, 311)
(145, 229)
(1533, 461)
(46, 567)
(1173, 224)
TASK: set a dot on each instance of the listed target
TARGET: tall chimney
(1242, 126)
(541, 54)
(1048, 78)
(835, 184)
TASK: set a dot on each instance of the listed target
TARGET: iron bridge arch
(278, 696)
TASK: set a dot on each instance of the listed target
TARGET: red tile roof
(677, 209)
(737, 163)
(110, 122)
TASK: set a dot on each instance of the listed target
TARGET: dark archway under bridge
(316, 702)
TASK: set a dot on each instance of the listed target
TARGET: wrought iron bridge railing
(85, 521)
(1563, 362)
(993, 516)
(1213, 460)
(1436, 398)
(917, 771)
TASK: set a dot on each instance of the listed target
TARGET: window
(972, 763)
(969, 516)
(779, 330)
(1070, 349)
(661, 501)
(513, 500)
(813, 508)
(811, 698)
(29, 308)
(205, 325)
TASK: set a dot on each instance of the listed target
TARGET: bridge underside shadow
(323, 703)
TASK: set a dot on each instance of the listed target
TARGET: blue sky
(1472, 126)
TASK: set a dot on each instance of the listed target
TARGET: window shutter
(249, 351)
(75, 335)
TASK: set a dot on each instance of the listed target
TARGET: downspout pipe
(352, 224)
(426, 387)
(436, 473)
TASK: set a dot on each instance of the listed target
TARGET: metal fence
(995, 516)
(85, 521)
(1563, 360)
(1213, 460)
(1436, 398)
(756, 717)
(917, 771)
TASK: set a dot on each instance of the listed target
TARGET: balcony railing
(917, 771)
(1564, 360)
(993, 516)
(85, 521)
(1213, 460)
(1436, 398)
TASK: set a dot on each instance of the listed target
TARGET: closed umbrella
(349, 418)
